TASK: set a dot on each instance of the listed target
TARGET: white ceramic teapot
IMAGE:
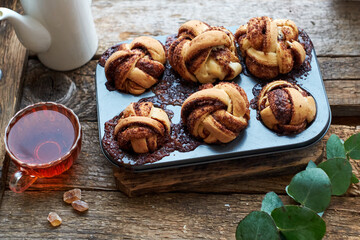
(61, 32)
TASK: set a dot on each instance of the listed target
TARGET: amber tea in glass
(43, 140)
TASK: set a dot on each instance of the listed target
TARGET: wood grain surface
(194, 210)
(165, 216)
(332, 25)
(12, 62)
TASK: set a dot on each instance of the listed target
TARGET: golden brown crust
(270, 47)
(216, 114)
(137, 66)
(285, 107)
(142, 128)
(203, 53)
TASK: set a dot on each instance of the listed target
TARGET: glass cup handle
(21, 180)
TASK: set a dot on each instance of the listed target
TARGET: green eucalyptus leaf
(311, 188)
(287, 191)
(257, 225)
(354, 179)
(296, 222)
(352, 146)
(339, 171)
(311, 164)
(335, 148)
(270, 202)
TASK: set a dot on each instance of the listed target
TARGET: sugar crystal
(80, 206)
(72, 195)
(54, 219)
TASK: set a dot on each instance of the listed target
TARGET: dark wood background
(197, 209)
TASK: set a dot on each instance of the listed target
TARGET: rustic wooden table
(197, 209)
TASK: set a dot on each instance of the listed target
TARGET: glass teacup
(43, 140)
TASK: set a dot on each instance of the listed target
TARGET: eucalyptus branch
(312, 189)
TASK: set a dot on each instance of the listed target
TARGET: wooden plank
(165, 216)
(344, 97)
(184, 179)
(350, 121)
(340, 68)
(327, 22)
(12, 62)
(343, 92)
(92, 171)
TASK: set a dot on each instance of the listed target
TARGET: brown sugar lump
(216, 114)
(136, 66)
(142, 128)
(54, 219)
(270, 47)
(80, 206)
(285, 108)
(72, 195)
(203, 53)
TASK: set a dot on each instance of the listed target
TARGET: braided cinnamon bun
(286, 108)
(142, 128)
(137, 66)
(216, 114)
(270, 47)
(203, 53)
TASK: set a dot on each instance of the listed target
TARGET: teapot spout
(30, 32)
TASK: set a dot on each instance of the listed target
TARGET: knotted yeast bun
(202, 53)
(216, 114)
(285, 107)
(270, 47)
(142, 128)
(136, 66)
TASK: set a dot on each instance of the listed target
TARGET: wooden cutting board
(181, 179)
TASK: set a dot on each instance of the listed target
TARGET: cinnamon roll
(202, 53)
(137, 66)
(270, 47)
(286, 108)
(216, 114)
(142, 128)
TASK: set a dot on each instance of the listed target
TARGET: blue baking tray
(255, 140)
